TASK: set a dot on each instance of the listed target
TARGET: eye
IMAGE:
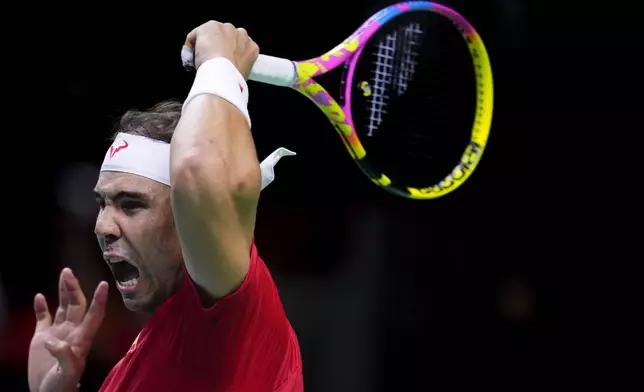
(131, 205)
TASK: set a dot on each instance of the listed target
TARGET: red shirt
(243, 343)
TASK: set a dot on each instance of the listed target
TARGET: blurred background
(384, 293)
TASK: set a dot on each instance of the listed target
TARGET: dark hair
(157, 123)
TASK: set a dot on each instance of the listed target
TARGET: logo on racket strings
(366, 89)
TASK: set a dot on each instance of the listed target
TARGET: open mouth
(125, 273)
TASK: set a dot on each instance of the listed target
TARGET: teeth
(129, 283)
(115, 261)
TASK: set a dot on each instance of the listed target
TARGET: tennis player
(178, 192)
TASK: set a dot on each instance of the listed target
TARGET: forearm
(213, 136)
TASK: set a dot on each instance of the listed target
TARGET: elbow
(199, 173)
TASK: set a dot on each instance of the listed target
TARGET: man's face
(135, 230)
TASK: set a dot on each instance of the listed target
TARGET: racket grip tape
(274, 70)
(267, 69)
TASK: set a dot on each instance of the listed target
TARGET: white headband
(150, 158)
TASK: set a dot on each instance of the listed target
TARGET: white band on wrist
(218, 76)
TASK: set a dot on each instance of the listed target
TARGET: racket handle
(274, 70)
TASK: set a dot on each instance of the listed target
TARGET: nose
(106, 225)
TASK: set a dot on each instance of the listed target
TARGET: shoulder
(246, 326)
(256, 298)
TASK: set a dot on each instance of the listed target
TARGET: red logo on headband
(114, 150)
(241, 88)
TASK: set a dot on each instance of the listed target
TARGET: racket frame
(299, 75)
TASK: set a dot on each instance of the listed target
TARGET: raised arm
(214, 167)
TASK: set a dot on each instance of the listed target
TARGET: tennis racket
(395, 100)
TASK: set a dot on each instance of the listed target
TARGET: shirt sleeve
(246, 331)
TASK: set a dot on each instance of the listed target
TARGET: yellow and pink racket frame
(300, 75)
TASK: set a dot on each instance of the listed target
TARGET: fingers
(249, 49)
(191, 38)
(242, 39)
(70, 365)
(225, 28)
(76, 302)
(61, 311)
(43, 317)
(96, 312)
(242, 36)
(213, 39)
(71, 300)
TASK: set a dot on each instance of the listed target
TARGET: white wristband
(218, 76)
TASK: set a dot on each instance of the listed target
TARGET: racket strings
(416, 120)
(381, 80)
(392, 69)
(409, 52)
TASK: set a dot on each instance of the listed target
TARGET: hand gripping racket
(383, 113)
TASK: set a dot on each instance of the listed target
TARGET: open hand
(59, 349)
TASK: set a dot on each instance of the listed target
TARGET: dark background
(489, 287)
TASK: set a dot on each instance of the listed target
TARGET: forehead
(111, 183)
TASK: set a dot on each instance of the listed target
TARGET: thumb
(69, 365)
